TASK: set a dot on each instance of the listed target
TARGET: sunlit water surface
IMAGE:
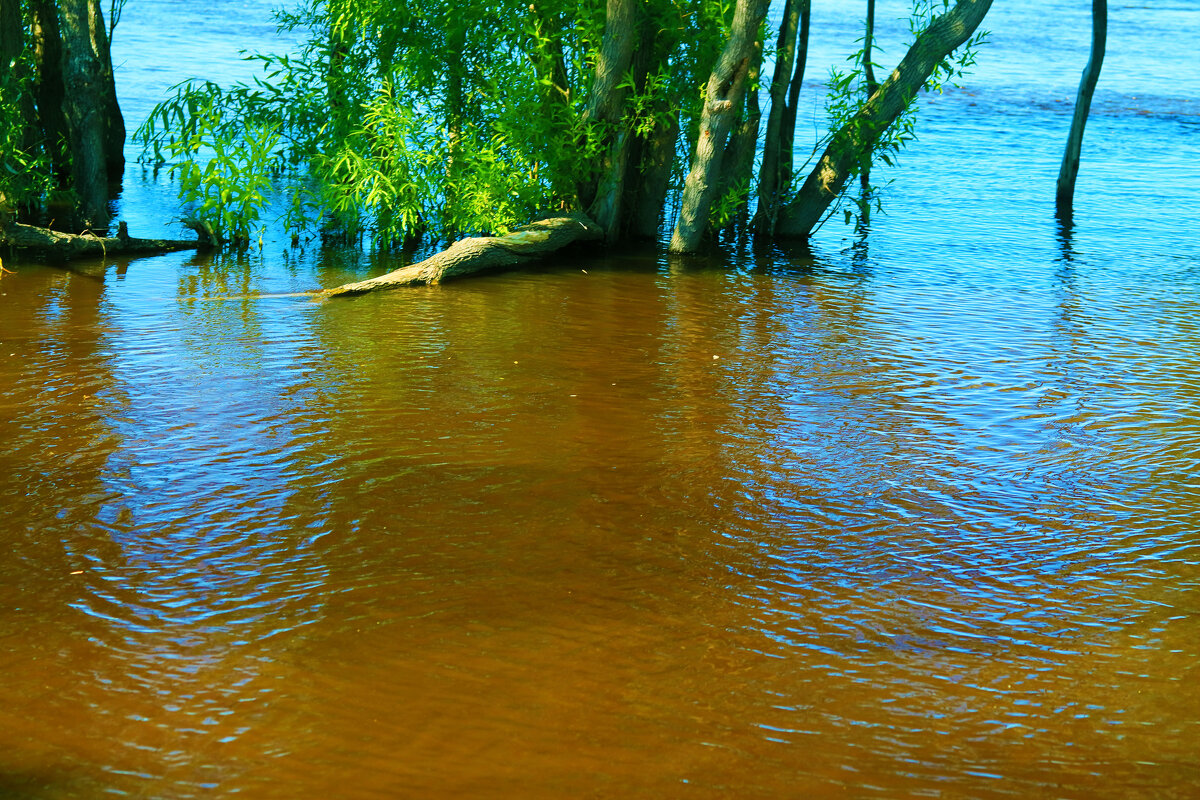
(911, 515)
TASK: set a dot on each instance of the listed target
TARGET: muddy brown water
(913, 514)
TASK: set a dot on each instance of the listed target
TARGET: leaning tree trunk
(482, 254)
(605, 108)
(84, 104)
(853, 142)
(722, 100)
(1065, 194)
(738, 164)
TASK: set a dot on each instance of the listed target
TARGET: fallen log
(482, 254)
(65, 246)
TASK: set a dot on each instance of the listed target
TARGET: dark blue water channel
(913, 514)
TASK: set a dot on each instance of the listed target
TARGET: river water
(913, 514)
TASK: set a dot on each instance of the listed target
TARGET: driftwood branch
(482, 254)
(65, 246)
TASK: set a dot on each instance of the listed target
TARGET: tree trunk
(773, 144)
(654, 174)
(46, 243)
(114, 122)
(606, 107)
(482, 254)
(852, 143)
(48, 88)
(652, 159)
(872, 84)
(788, 132)
(83, 81)
(738, 164)
(722, 99)
(1065, 190)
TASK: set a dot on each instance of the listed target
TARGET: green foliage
(223, 159)
(406, 118)
(729, 204)
(26, 178)
(396, 118)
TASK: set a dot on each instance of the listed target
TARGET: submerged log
(482, 254)
(65, 246)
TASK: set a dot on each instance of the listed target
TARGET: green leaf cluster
(26, 175)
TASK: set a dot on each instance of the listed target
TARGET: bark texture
(652, 155)
(788, 133)
(854, 140)
(84, 104)
(738, 164)
(114, 122)
(48, 87)
(482, 254)
(64, 246)
(1065, 190)
(722, 101)
(606, 106)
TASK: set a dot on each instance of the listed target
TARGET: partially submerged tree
(722, 98)
(852, 146)
(439, 119)
(62, 136)
(1065, 188)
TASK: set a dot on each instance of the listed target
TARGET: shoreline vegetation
(454, 125)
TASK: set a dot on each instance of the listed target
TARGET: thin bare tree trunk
(1065, 189)
(854, 140)
(781, 121)
(872, 84)
(722, 100)
(788, 132)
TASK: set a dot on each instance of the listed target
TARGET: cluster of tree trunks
(723, 97)
(71, 113)
(724, 148)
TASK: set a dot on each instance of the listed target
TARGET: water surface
(911, 514)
